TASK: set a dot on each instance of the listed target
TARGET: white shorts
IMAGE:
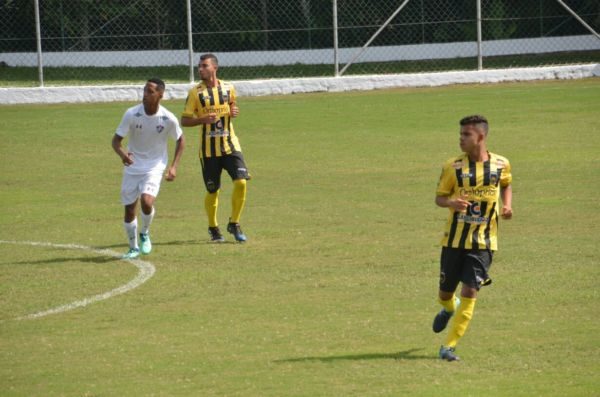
(134, 186)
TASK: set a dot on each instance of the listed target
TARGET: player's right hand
(171, 174)
(211, 118)
(127, 159)
(460, 204)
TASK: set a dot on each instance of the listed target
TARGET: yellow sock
(211, 202)
(449, 305)
(460, 321)
(238, 199)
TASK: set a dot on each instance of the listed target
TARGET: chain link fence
(110, 41)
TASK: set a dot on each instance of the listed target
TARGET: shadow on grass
(85, 259)
(402, 355)
(125, 247)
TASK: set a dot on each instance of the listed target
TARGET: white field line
(145, 272)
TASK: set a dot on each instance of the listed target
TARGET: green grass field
(335, 291)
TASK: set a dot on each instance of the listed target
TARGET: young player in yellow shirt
(212, 106)
(470, 186)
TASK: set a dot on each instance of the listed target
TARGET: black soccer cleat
(441, 319)
(215, 235)
(236, 230)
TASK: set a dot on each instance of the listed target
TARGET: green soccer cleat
(447, 353)
(145, 243)
(133, 253)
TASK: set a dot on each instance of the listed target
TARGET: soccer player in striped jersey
(212, 106)
(471, 186)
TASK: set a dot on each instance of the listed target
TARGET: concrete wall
(88, 94)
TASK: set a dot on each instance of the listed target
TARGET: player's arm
(234, 110)
(191, 121)
(179, 146)
(445, 191)
(459, 204)
(126, 157)
(506, 196)
(190, 118)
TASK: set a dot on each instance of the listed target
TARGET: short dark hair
(159, 83)
(476, 119)
(210, 56)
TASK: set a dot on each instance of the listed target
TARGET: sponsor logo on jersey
(478, 220)
(475, 208)
(488, 192)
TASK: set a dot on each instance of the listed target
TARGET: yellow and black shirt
(219, 138)
(480, 182)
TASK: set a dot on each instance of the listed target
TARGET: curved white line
(146, 271)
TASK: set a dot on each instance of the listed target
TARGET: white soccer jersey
(148, 138)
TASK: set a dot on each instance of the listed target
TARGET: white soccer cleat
(145, 243)
(133, 253)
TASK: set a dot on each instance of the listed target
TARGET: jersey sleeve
(445, 185)
(175, 131)
(506, 177)
(190, 108)
(123, 128)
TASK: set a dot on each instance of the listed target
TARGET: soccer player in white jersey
(147, 126)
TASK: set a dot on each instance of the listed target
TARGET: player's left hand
(234, 111)
(506, 212)
(171, 174)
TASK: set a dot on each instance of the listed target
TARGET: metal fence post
(190, 40)
(368, 43)
(336, 58)
(38, 40)
(479, 50)
(585, 25)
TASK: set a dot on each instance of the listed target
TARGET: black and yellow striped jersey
(480, 183)
(219, 138)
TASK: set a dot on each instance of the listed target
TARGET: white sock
(131, 231)
(146, 221)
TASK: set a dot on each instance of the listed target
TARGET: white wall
(91, 94)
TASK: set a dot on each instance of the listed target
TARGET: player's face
(470, 137)
(207, 69)
(152, 95)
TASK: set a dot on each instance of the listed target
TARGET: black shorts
(213, 166)
(463, 265)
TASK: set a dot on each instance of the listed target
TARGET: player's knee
(212, 187)
(147, 202)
